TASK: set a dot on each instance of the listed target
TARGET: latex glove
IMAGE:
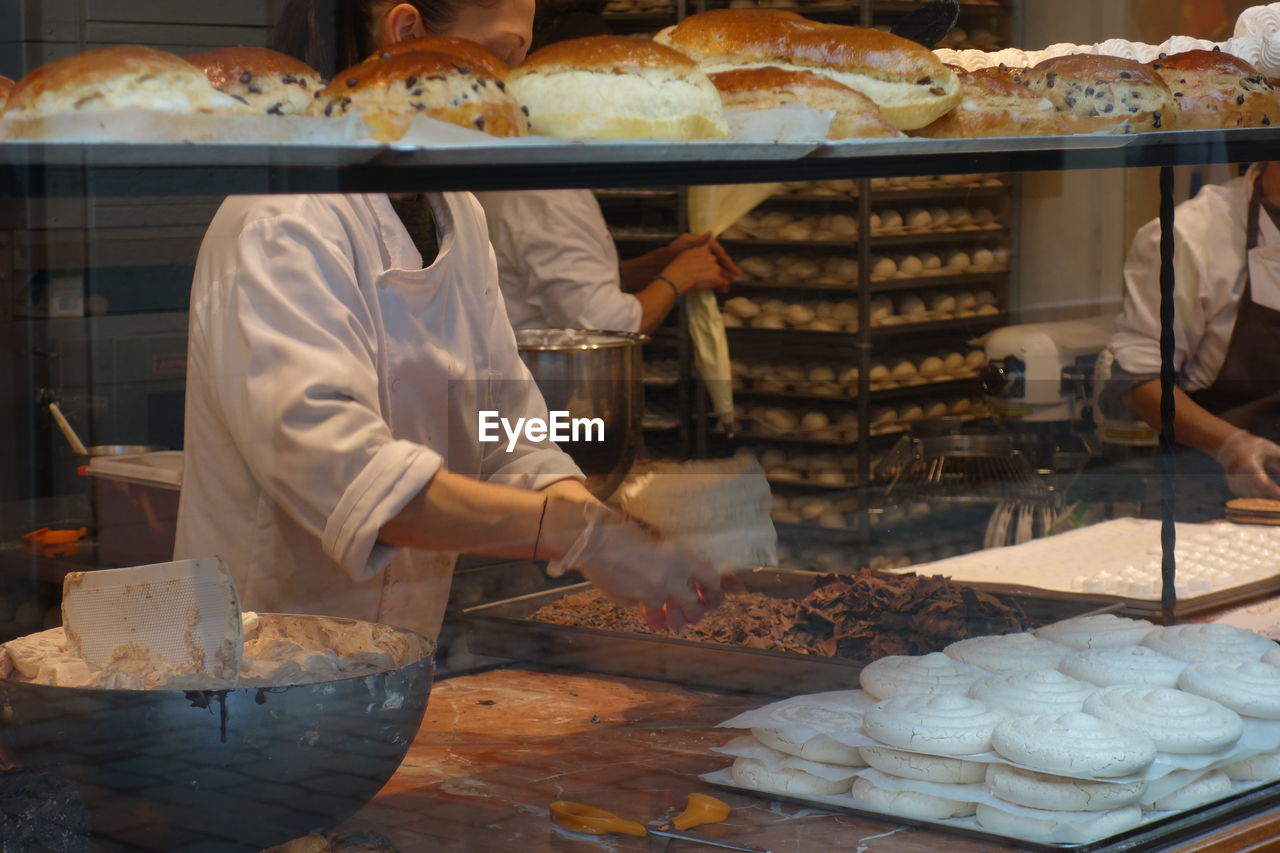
(633, 567)
(1252, 465)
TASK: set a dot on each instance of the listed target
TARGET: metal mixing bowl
(243, 769)
(592, 374)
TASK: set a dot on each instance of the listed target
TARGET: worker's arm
(1193, 425)
(692, 269)
(1252, 463)
(636, 273)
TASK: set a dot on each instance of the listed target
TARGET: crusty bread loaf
(472, 53)
(391, 92)
(611, 87)
(994, 105)
(1215, 89)
(126, 76)
(909, 84)
(856, 115)
(1105, 93)
(268, 81)
(6, 86)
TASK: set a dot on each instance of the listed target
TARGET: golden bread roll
(459, 48)
(6, 86)
(391, 92)
(126, 76)
(1215, 89)
(1105, 93)
(909, 84)
(994, 105)
(268, 81)
(856, 115)
(612, 87)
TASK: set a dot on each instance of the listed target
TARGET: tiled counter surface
(497, 747)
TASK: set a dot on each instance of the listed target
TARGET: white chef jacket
(1211, 266)
(330, 377)
(557, 262)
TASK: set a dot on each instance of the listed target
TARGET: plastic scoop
(699, 811)
(182, 616)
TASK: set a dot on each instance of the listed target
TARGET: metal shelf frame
(59, 170)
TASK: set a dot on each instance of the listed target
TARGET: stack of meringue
(1032, 752)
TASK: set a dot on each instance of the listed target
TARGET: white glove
(633, 567)
(1252, 465)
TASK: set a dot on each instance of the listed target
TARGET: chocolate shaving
(857, 617)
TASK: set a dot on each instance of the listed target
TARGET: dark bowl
(234, 769)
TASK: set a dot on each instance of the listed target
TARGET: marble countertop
(497, 747)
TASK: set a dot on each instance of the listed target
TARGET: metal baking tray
(504, 629)
(1157, 835)
(61, 168)
(1185, 608)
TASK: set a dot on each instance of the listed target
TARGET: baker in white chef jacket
(558, 265)
(1227, 319)
(339, 352)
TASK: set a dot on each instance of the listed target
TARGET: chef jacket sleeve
(549, 252)
(297, 380)
(1136, 341)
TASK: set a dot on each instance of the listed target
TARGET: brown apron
(1246, 392)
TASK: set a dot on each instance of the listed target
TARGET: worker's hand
(1252, 465)
(698, 269)
(685, 242)
(726, 263)
(633, 567)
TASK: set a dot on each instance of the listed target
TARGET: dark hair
(333, 35)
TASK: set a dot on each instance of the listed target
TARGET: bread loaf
(270, 82)
(1105, 93)
(856, 115)
(611, 87)
(390, 92)
(6, 86)
(910, 85)
(121, 77)
(1215, 90)
(994, 105)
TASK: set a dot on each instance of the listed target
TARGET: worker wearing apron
(1227, 352)
(341, 348)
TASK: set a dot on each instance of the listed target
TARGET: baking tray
(1156, 835)
(503, 629)
(62, 168)
(1188, 608)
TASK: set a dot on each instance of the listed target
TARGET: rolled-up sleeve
(296, 377)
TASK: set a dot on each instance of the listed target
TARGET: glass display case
(1009, 609)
